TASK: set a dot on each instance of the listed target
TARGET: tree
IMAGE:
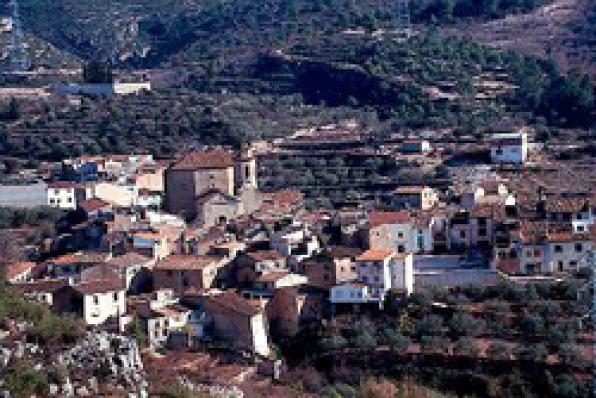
(23, 381)
(377, 388)
(569, 354)
(464, 324)
(531, 324)
(431, 324)
(465, 346)
(499, 350)
(434, 345)
(395, 340)
(98, 72)
(335, 342)
(533, 352)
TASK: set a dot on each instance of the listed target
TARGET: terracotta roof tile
(231, 301)
(186, 262)
(12, 270)
(375, 255)
(265, 255)
(376, 218)
(215, 159)
(91, 205)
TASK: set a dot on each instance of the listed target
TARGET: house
(19, 271)
(134, 269)
(509, 148)
(291, 307)
(249, 266)
(96, 208)
(415, 197)
(42, 290)
(295, 240)
(334, 266)
(149, 199)
(95, 301)
(122, 195)
(66, 195)
(153, 244)
(267, 284)
(161, 315)
(579, 211)
(379, 270)
(71, 265)
(180, 272)
(150, 178)
(239, 321)
(199, 172)
(390, 230)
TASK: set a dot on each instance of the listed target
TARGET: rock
(82, 391)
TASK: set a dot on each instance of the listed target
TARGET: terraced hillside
(564, 30)
(150, 32)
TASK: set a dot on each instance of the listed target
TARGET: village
(192, 254)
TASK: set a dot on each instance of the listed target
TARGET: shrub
(23, 381)
(377, 388)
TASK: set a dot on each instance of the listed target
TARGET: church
(212, 187)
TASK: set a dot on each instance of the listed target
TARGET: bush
(466, 347)
(377, 388)
(23, 381)
(464, 324)
(533, 352)
(499, 350)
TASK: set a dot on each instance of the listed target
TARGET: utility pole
(19, 59)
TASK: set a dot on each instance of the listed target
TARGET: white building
(95, 301)
(378, 271)
(509, 148)
(296, 241)
(65, 195)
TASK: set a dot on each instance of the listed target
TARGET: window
(353, 268)
(96, 300)
(558, 248)
(365, 279)
(326, 277)
(401, 249)
(115, 295)
(580, 228)
(482, 232)
(169, 273)
(52, 201)
(573, 264)
(69, 200)
(247, 171)
(400, 234)
(376, 279)
(536, 252)
(560, 266)
(578, 247)
(462, 234)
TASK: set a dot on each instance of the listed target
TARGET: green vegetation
(23, 381)
(44, 326)
(40, 216)
(495, 338)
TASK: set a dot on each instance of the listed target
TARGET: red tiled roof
(265, 255)
(374, 255)
(128, 260)
(100, 286)
(271, 276)
(233, 302)
(12, 270)
(40, 286)
(91, 205)
(63, 185)
(186, 262)
(376, 218)
(215, 159)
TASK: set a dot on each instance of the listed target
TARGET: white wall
(107, 306)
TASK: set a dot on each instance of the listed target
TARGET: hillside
(149, 33)
(564, 30)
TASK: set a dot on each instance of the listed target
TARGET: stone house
(66, 195)
(390, 231)
(334, 266)
(239, 321)
(135, 271)
(41, 291)
(415, 197)
(19, 271)
(249, 266)
(290, 307)
(295, 240)
(181, 272)
(216, 208)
